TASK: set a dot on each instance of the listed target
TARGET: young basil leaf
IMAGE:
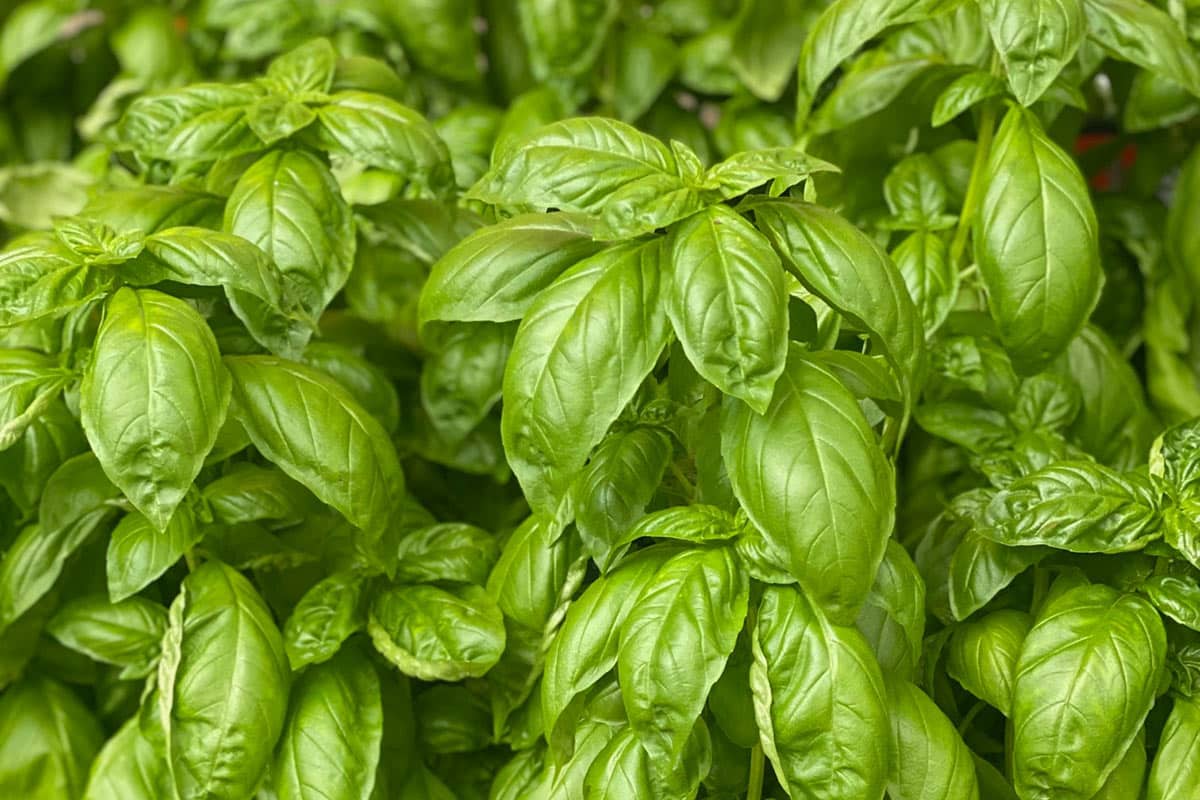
(138, 553)
(1176, 766)
(586, 646)
(533, 567)
(1091, 648)
(865, 91)
(696, 602)
(963, 93)
(249, 494)
(126, 633)
(728, 304)
(380, 132)
(333, 447)
(923, 261)
(982, 655)
(1036, 39)
(223, 684)
(46, 280)
(812, 478)
(838, 263)
(48, 738)
(1177, 598)
(330, 744)
(153, 398)
(307, 68)
(560, 392)
(564, 39)
(1036, 243)
(450, 551)
(366, 382)
(128, 766)
(496, 273)
(462, 379)
(436, 634)
(1141, 33)
(819, 700)
(289, 206)
(928, 758)
(200, 122)
(1077, 506)
(893, 617)
(748, 169)
(614, 489)
(980, 568)
(323, 618)
(29, 382)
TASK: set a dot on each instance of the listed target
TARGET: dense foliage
(573, 399)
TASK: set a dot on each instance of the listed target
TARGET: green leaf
(128, 767)
(1177, 598)
(981, 568)
(247, 493)
(1077, 506)
(138, 553)
(674, 645)
(614, 489)
(564, 37)
(1176, 767)
(311, 427)
(223, 685)
(865, 91)
(924, 263)
(587, 644)
(963, 93)
(812, 478)
(436, 634)
(323, 618)
(200, 122)
(46, 280)
(47, 740)
(366, 382)
(439, 36)
(449, 551)
(847, 270)
(767, 37)
(692, 524)
(528, 579)
(1036, 243)
(577, 164)
(380, 132)
(1157, 102)
(29, 381)
(646, 62)
(288, 205)
(819, 700)
(1139, 32)
(1086, 678)
(748, 169)
(126, 633)
(331, 740)
(307, 68)
(579, 356)
(929, 760)
(150, 209)
(496, 273)
(1182, 239)
(153, 398)
(1036, 39)
(982, 655)
(462, 379)
(728, 304)
(893, 617)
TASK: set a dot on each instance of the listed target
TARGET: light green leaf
(893, 617)
(126, 633)
(323, 618)
(1143, 34)
(982, 655)
(138, 553)
(564, 37)
(929, 760)
(128, 767)
(1176, 768)
(963, 93)
(1035, 40)
(48, 738)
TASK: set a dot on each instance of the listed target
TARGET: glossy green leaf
(728, 304)
(1177, 598)
(1176, 767)
(675, 642)
(138, 553)
(48, 738)
(564, 38)
(222, 683)
(330, 744)
(1035, 243)
(127, 768)
(980, 568)
(580, 354)
(528, 579)
(1035, 40)
(1086, 678)
(462, 379)
(892, 618)
(982, 655)
(127, 633)
(963, 93)
(812, 478)
(323, 618)
(1139, 32)
(928, 759)
(436, 634)
(309, 426)
(819, 700)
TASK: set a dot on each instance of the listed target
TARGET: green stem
(687, 485)
(189, 558)
(1041, 585)
(757, 771)
(970, 717)
(983, 145)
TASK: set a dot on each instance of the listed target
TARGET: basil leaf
(200, 122)
(126, 633)
(463, 378)
(564, 38)
(435, 634)
(982, 655)
(1177, 598)
(819, 700)
(323, 618)
(330, 744)
(1076, 506)
(1091, 648)
(928, 757)
(1036, 39)
(46, 281)
(892, 618)
(963, 93)
(496, 273)
(980, 568)
(1036, 243)
(138, 553)
(1138, 32)
(153, 398)
(307, 68)
(29, 382)
(560, 392)
(1176, 765)
(696, 603)
(47, 740)
(333, 447)
(533, 567)
(728, 304)
(223, 683)
(767, 38)
(812, 478)
(128, 766)
(439, 36)
(843, 267)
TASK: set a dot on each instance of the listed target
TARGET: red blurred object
(1108, 177)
